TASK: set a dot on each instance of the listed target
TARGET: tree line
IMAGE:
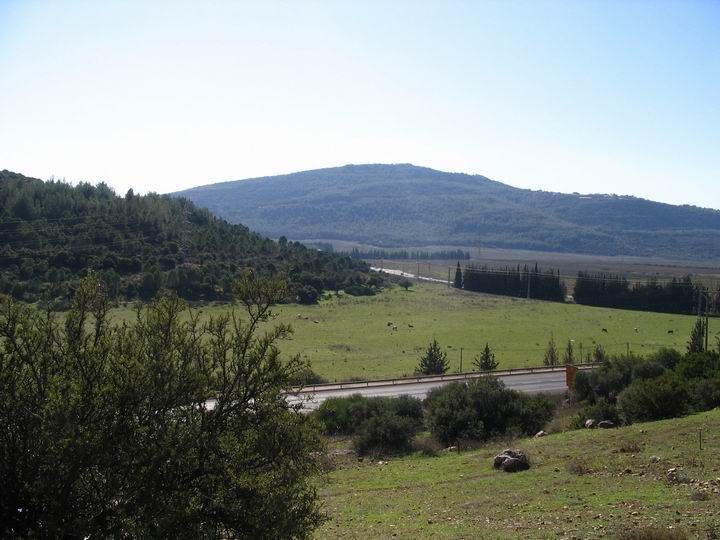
(609, 290)
(679, 295)
(457, 254)
(519, 282)
(53, 233)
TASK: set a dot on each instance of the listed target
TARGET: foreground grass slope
(349, 336)
(582, 484)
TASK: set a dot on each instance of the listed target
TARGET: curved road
(532, 383)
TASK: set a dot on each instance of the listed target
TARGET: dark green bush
(704, 394)
(306, 377)
(648, 369)
(654, 399)
(450, 415)
(669, 358)
(601, 410)
(385, 434)
(334, 415)
(483, 408)
(359, 290)
(534, 412)
(699, 366)
(607, 381)
(308, 295)
(346, 415)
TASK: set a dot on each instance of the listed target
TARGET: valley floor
(384, 335)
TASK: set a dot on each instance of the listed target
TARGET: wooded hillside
(405, 205)
(52, 233)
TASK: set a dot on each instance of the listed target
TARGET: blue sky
(611, 96)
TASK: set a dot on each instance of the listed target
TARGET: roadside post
(570, 371)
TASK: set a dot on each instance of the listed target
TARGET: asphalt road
(532, 383)
(408, 275)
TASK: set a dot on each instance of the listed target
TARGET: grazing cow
(605, 330)
(671, 331)
(636, 330)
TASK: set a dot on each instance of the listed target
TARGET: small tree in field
(569, 356)
(406, 284)
(434, 361)
(551, 354)
(486, 361)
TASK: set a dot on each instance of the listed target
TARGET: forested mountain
(402, 205)
(52, 233)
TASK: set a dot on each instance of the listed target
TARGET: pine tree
(486, 361)
(697, 337)
(458, 277)
(551, 354)
(569, 356)
(434, 361)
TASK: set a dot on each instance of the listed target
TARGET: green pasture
(582, 484)
(355, 337)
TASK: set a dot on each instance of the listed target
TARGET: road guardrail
(327, 387)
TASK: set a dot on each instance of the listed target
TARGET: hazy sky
(609, 96)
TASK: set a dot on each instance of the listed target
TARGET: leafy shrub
(653, 399)
(669, 358)
(699, 366)
(481, 409)
(334, 415)
(359, 290)
(648, 369)
(106, 433)
(450, 415)
(427, 446)
(306, 377)
(308, 295)
(384, 434)
(346, 415)
(534, 412)
(602, 409)
(607, 381)
(704, 394)
(582, 387)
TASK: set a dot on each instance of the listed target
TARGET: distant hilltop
(405, 205)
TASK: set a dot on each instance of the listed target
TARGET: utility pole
(707, 322)
(461, 351)
(528, 291)
(449, 267)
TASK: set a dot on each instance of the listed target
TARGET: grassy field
(350, 337)
(582, 484)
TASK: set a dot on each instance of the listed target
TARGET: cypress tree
(551, 354)
(569, 356)
(697, 337)
(458, 277)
